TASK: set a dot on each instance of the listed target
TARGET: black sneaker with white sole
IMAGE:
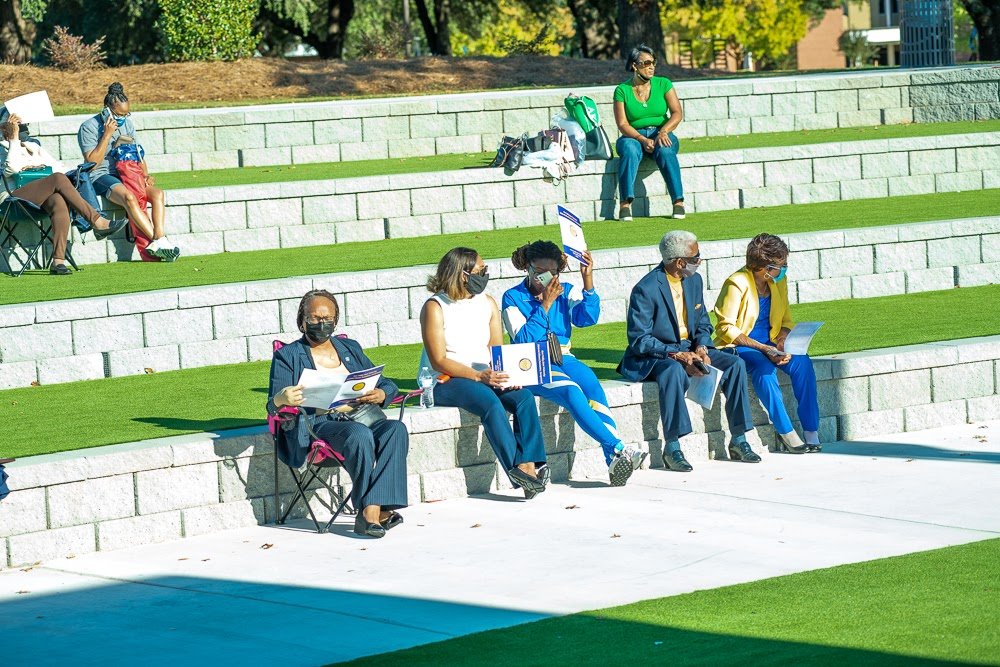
(678, 211)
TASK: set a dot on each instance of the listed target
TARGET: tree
(985, 15)
(639, 23)
(767, 28)
(436, 27)
(596, 27)
(322, 24)
(17, 29)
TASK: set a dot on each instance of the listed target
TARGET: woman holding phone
(97, 136)
(542, 310)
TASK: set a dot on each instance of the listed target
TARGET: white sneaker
(620, 469)
(636, 456)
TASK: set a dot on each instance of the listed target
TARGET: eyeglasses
(125, 116)
(774, 267)
(642, 64)
(321, 320)
(691, 260)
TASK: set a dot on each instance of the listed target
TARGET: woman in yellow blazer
(754, 318)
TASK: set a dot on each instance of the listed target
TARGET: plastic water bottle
(426, 382)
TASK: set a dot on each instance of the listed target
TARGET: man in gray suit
(670, 341)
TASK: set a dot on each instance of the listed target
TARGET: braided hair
(116, 95)
(527, 254)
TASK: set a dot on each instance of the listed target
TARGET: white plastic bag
(577, 137)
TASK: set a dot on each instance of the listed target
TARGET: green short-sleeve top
(652, 113)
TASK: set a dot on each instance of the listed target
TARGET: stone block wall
(309, 213)
(126, 495)
(472, 122)
(81, 339)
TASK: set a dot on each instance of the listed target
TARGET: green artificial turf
(330, 170)
(126, 277)
(129, 409)
(930, 608)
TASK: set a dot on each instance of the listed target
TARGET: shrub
(68, 52)
(376, 44)
(214, 30)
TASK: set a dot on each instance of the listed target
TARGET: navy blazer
(652, 323)
(286, 369)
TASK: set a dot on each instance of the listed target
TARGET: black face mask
(320, 332)
(477, 284)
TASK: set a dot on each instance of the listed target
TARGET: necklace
(635, 93)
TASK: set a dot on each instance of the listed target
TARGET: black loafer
(362, 527)
(59, 270)
(391, 521)
(813, 449)
(741, 451)
(675, 461)
(113, 226)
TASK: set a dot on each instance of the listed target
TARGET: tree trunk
(639, 23)
(436, 29)
(338, 14)
(985, 14)
(595, 24)
(17, 35)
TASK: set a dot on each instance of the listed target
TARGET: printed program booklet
(326, 390)
(703, 388)
(526, 364)
(801, 336)
(574, 244)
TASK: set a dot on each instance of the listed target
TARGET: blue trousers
(575, 387)
(375, 458)
(672, 382)
(764, 376)
(630, 155)
(523, 443)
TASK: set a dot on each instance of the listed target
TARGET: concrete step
(467, 122)
(124, 495)
(79, 339)
(312, 213)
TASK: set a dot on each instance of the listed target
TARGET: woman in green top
(641, 113)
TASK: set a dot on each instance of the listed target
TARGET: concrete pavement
(267, 595)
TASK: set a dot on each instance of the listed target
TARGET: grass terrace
(134, 408)
(928, 608)
(332, 170)
(128, 277)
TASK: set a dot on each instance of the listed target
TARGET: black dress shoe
(113, 226)
(362, 527)
(59, 270)
(675, 461)
(526, 481)
(741, 451)
(391, 521)
(813, 449)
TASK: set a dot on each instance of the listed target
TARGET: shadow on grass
(198, 425)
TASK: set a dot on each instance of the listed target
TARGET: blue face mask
(781, 274)
(120, 121)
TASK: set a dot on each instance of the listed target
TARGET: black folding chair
(321, 456)
(17, 211)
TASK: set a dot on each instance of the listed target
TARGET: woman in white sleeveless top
(459, 324)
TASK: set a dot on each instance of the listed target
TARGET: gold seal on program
(358, 386)
(524, 364)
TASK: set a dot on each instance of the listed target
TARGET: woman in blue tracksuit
(542, 305)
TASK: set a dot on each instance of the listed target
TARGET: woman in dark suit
(375, 457)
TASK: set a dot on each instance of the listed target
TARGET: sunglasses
(642, 64)
(482, 272)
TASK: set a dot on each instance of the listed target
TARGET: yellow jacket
(737, 308)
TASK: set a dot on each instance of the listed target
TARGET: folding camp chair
(321, 456)
(15, 211)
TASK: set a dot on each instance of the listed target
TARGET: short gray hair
(676, 244)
